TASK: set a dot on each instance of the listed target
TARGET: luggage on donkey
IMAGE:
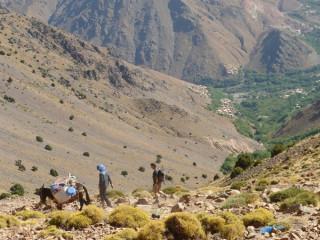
(63, 189)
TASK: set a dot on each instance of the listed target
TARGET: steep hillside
(80, 98)
(183, 38)
(306, 119)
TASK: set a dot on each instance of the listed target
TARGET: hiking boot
(156, 201)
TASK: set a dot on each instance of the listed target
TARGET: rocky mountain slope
(187, 39)
(89, 107)
(306, 119)
(222, 210)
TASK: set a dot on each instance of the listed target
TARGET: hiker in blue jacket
(104, 180)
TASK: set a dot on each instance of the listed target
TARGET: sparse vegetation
(259, 216)
(53, 231)
(34, 168)
(152, 231)
(127, 216)
(71, 117)
(27, 214)
(114, 193)
(124, 173)
(71, 129)
(48, 147)
(238, 185)
(159, 158)
(54, 172)
(236, 172)
(240, 200)
(59, 218)
(9, 99)
(175, 190)
(204, 175)
(39, 139)
(84, 134)
(17, 189)
(125, 234)
(4, 195)
(216, 177)
(9, 221)
(184, 226)
(87, 154)
(142, 169)
(277, 148)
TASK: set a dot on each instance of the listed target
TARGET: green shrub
(182, 179)
(9, 221)
(139, 192)
(22, 168)
(84, 134)
(124, 173)
(34, 168)
(94, 213)
(71, 129)
(78, 220)
(262, 184)
(240, 200)
(304, 198)
(175, 190)
(87, 154)
(244, 161)
(238, 185)
(9, 99)
(259, 216)
(277, 148)
(48, 147)
(53, 231)
(71, 117)
(125, 234)
(233, 231)
(2, 53)
(211, 224)
(204, 175)
(184, 226)
(39, 139)
(114, 193)
(168, 177)
(54, 172)
(27, 214)
(216, 177)
(236, 172)
(59, 218)
(142, 169)
(229, 217)
(17, 189)
(284, 194)
(286, 224)
(152, 231)
(159, 157)
(127, 216)
(5, 195)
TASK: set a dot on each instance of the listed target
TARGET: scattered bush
(61, 101)
(258, 217)
(87, 154)
(39, 139)
(233, 231)
(27, 214)
(277, 148)
(94, 213)
(184, 226)
(168, 177)
(140, 193)
(216, 177)
(262, 184)
(182, 179)
(84, 134)
(284, 194)
(53, 231)
(240, 200)
(142, 169)
(54, 172)
(159, 157)
(244, 161)
(9, 99)
(48, 147)
(211, 224)
(34, 168)
(71, 117)
(175, 190)
(9, 221)
(5, 195)
(127, 216)
(17, 189)
(204, 175)
(125, 234)
(78, 220)
(10, 80)
(71, 129)
(124, 173)
(304, 198)
(114, 193)
(152, 231)
(238, 185)
(59, 218)
(18, 163)
(236, 172)
(22, 168)
(194, 164)
(2, 53)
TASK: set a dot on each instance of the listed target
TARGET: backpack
(161, 175)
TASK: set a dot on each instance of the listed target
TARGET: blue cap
(71, 191)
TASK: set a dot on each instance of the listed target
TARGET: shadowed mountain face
(91, 107)
(304, 120)
(188, 39)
